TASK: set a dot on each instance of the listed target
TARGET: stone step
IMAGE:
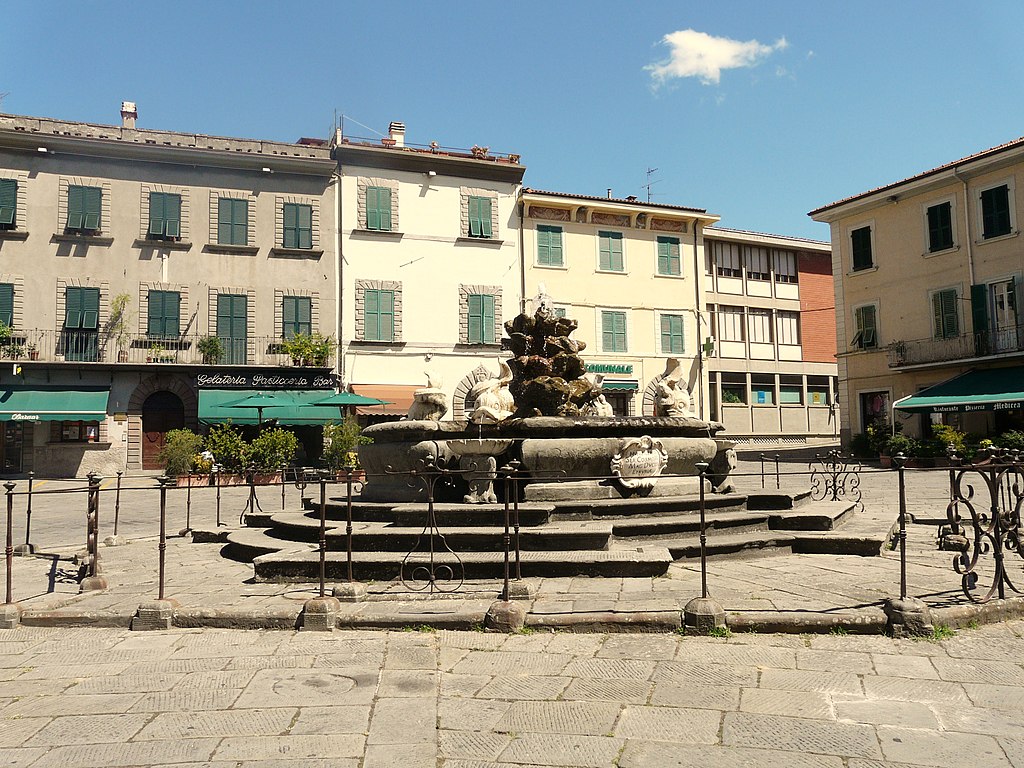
(337, 506)
(638, 505)
(779, 542)
(689, 523)
(457, 515)
(385, 566)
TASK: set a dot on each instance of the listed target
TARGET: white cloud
(704, 56)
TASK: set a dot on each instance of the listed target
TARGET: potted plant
(33, 352)
(320, 347)
(297, 348)
(212, 349)
(340, 448)
(230, 453)
(271, 450)
(179, 452)
(119, 326)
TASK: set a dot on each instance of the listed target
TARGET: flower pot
(267, 478)
(33, 354)
(196, 481)
(358, 475)
(122, 356)
(228, 478)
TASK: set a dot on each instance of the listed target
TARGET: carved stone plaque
(639, 462)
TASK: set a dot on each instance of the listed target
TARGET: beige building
(631, 273)
(149, 277)
(431, 267)
(770, 313)
(927, 276)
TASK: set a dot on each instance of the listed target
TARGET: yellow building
(632, 274)
(927, 276)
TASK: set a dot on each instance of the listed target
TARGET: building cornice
(423, 161)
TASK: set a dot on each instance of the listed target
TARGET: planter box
(358, 475)
(195, 481)
(228, 478)
(267, 478)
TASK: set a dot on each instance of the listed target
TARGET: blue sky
(757, 111)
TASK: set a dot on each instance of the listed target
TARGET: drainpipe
(697, 303)
(338, 283)
(967, 222)
(522, 256)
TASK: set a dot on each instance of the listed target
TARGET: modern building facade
(631, 273)
(770, 314)
(927, 274)
(431, 267)
(124, 250)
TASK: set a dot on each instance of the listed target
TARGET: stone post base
(909, 617)
(320, 614)
(10, 615)
(155, 615)
(702, 615)
(350, 591)
(24, 549)
(505, 616)
(115, 541)
(93, 583)
(519, 590)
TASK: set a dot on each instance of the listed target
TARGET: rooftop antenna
(649, 184)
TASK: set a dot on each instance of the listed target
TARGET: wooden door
(162, 412)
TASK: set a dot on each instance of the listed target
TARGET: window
(298, 226)
(730, 323)
(84, 206)
(866, 336)
(613, 331)
(164, 314)
(791, 391)
(759, 324)
(379, 315)
(785, 266)
(817, 390)
(479, 217)
(7, 304)
(8, 203)
(549, 246)
(74, 431)
(734, 389)
(762, 390)
(81, 323)
(787, 325)
(668, 256)
(378, 209)
(727, 259)
(861, 242)
(164, 216)
(480, 325)
(940, 227)
(296, 316)
(610, 251)
(232, 326)
(995, 212)
(559, 311)
(945, 314)
(757, 264)
(672, 334)
(232, 221)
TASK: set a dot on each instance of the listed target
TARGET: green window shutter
(979, 308)
(72, 308)
(378, 208)
(8, 202)
(372, 209)
(861, 241)
(7, 304)
(84, 206)
(866, 327)
(232, 311)
(488, 317)
(90, 308)
(305, 225)
(613, 331)
(995, 211)
(371, 315)
(549, 246)
(232, 221)
(164, 314)
(386, 315)
(172, 313)
(672, 334)
(485, 221)
(156, 213)
(296, 314)
(475, 319)
(610, 247)
(93, 206)
(76, 207)
(155, 314)
(172, 215)
(480, 217)
(668, 256)
(940, 227)
(944, 309)
(291, 225)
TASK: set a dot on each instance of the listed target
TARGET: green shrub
(228, 447)
(181, 447)
(899, 443)
(1014, 440)
(272, 449)
(340, 441)
(879, 432)
(948, 435)
(860, 446)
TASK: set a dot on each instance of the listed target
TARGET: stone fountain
(541, 410)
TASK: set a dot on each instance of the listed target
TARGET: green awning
(297, 412)
(620, 384)
(23, 402)
(992, 389)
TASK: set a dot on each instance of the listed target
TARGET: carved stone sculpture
(430, 404)
(673, 397)
(492, 398)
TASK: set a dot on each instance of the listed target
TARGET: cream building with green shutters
(927, 274)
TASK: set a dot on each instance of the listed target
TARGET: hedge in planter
(181, 447)
(273, 449)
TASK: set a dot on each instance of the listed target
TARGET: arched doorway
(161, 412)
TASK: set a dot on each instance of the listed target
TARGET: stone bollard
(320, 614)
(907, 617)
(702, 615)
(350, 591)
(157, 614)
(505, 616)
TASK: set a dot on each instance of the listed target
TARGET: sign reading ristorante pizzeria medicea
(287, 378)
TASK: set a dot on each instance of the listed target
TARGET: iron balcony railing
(963, 347)
(49, 345)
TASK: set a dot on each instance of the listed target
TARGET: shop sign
(626, 368)
(287, 378)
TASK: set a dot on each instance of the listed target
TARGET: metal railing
(962, 347)
(49, 345)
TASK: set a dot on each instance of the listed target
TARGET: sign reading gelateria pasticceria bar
(285, 378)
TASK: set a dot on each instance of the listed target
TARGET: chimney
(397, 133)
(129, 114)
(609, 193)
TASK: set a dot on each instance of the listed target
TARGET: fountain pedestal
(477, 457)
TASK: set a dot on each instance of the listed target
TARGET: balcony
(87, 347)
(969, 346)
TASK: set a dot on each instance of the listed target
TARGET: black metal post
(506, 536)
(117, 499)
(92, 543)
(9, 548)
(216, 479)
(762, 471)
(323, 533)
(284, 479)
(900, 460)
(515, 519)
(778, 485)
(164, 482)
(348, 522)
(28, 516)
(188, 507)
(253, 503)
(702, 468)
(997, 531)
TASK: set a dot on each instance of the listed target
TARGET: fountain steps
(297, 566)
(779, 542)
(824, 516)
(530, 513)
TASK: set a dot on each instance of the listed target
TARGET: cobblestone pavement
(221, 698)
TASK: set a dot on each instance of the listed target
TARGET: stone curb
(806, 622)
(607, 621)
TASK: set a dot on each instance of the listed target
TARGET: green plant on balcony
(212, 349)
(119, 326)
(312, 349)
